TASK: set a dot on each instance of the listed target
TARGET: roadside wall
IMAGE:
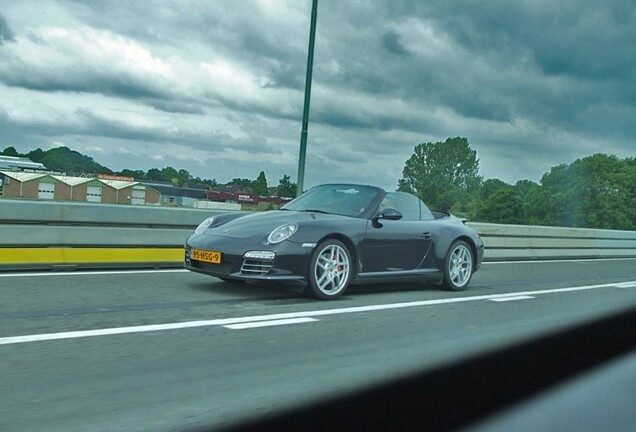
(50, 234)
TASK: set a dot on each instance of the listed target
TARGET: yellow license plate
(207, 256)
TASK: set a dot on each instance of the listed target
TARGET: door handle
(426, 235)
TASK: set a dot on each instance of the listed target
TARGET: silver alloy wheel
(331, 270)
(460, 265)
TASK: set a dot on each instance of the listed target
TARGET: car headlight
(205, 224)
(282, 233)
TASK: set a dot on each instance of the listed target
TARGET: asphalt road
(167, 350)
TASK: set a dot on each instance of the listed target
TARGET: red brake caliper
(340, 267)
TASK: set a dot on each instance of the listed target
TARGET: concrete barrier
(523, 242)
(50, 234)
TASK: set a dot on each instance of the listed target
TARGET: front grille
(256, 267)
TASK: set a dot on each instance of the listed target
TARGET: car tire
(458, 266)
(330, 270)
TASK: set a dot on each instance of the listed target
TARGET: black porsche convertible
(336, 235)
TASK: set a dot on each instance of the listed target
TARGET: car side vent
(256, 267)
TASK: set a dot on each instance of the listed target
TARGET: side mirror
(389, 214)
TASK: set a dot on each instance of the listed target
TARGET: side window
(405, 203)
(425, 213)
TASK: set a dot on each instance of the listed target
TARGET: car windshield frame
(352, 200)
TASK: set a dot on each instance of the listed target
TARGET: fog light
(263, 255)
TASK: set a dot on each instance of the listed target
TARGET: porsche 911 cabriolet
(336, 235)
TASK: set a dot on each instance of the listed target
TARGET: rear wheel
(458, 266)
(329, 270)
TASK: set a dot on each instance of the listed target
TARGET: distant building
(171, 195)
(193, 185)
(16, 163)
(153, 183)
(86, 189)
(247, 200)
(232, 189)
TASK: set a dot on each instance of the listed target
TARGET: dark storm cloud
(118, 86)
(175, 106)
(92, 124)
(391, 42)
(6, 34)
(238, 31)
(518, 46)
(579, 38)
(541, 82)
(45, 81)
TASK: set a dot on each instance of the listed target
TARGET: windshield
(341, 199)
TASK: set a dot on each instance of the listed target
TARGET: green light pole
(303, 132)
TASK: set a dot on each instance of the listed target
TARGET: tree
(136, 174)
(260, 185)
(443, 172)
(596, 191)
(10, 151)
(169, 174)
(208, 182)
(286, 188)
(241, 182)
(154, 174)
(36, 155)
(499, 203)
(183, 176)
(70, 161)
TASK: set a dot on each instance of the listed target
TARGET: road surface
(166, 350)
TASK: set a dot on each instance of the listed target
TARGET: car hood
(261, 224)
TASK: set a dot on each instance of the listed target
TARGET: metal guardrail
(46, 234)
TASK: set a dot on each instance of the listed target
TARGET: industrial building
(17, 163)
(86, 189)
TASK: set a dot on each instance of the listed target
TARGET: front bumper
(290, 263)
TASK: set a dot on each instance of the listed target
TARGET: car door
(397, 245)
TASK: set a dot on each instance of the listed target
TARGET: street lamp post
(303, 132)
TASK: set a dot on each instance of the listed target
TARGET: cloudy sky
(216, 87)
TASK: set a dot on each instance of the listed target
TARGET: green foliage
(443, 172)
(154, 174)
(208, 182)
(71, 162)
(241, 182)
(286, 188)
(499, 203)
(10, 151)
(594, 192)
(598, 191)
(136, 174)
(36, 155)
(260, 185)
(61, 159)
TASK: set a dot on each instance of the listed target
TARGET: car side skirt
(429, 275)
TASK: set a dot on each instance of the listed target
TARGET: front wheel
(458, 266)
(329, 270)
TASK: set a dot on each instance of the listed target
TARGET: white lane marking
(90, 273)
(314, 313)
(279, 322)
(626, 285)
(505, 299)
(119, 272)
